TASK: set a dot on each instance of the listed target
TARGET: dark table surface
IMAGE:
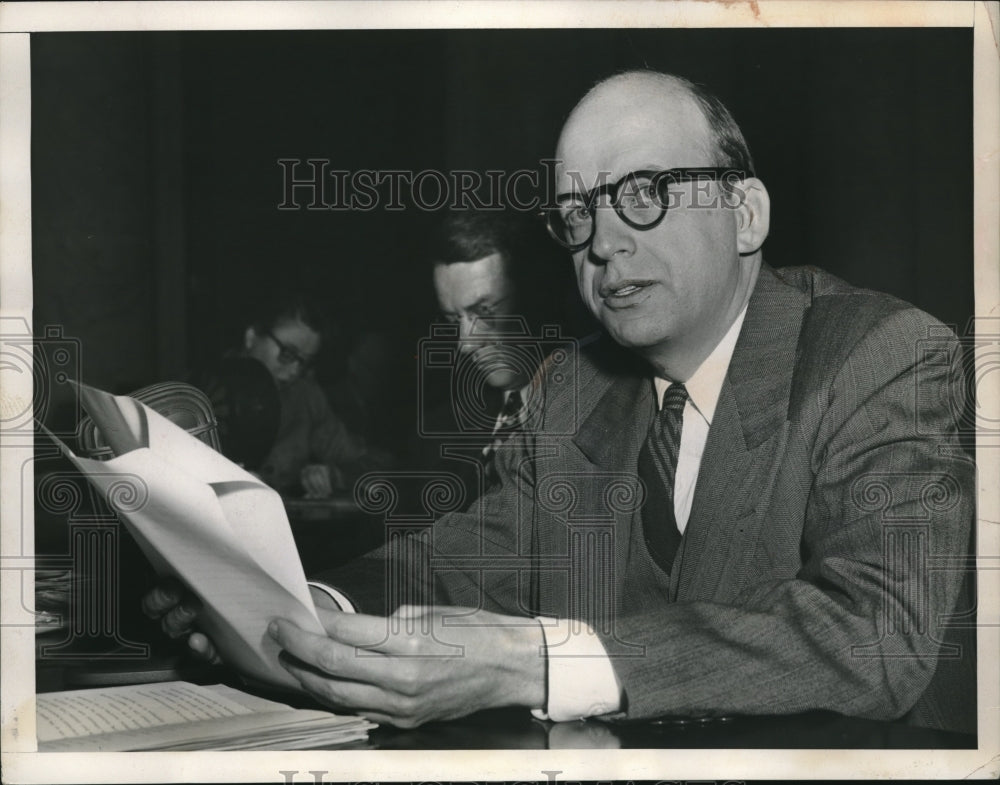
(516, 729)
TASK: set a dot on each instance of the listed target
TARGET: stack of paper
(181, 716)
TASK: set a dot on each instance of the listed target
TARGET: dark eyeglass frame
(659, 180)
(289, 354)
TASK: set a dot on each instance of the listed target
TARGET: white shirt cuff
(581, 681)
(342, 602)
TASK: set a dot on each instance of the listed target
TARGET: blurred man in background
(496, 283)
(313, 453)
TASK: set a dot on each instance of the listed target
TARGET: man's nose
(611, 235)
(466, 330)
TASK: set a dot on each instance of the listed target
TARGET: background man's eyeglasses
(641, 199)
(287, 355)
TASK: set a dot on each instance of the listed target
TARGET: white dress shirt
(581, 679)
(703, 389)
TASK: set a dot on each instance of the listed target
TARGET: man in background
(496, 284)
(312, 452)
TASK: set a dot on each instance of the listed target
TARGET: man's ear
(249, 336)
(753, 215)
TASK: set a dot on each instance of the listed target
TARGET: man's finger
(161, 598)
(360, 629)
(318, 651)
(345, 692)
(180, 620)
(333, 657)
(203, 648)
(406, 634)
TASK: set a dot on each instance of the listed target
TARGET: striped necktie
(510, 416)
(508, 421)
(658, 470)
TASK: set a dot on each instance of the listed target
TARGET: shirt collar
(705, 383)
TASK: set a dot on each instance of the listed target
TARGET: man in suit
(733, 516)
(494, 286)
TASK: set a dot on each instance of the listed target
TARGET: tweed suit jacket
(832, 477)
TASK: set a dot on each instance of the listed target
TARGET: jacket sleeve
(854, 630)
(476, 557)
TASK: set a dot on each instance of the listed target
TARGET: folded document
(200, 517)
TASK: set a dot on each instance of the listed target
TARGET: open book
(178, 716)
(201, 518)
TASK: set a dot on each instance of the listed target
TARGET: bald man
(732, 514)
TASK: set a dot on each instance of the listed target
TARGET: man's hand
(315, 480)
(177, 609)
(419, 664)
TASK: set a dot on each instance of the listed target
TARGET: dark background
(155, 181)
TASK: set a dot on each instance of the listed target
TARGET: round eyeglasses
(640, 199)
(288, 354)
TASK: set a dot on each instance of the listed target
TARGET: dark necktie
(510, 416)
(658, 471)
(508, 422)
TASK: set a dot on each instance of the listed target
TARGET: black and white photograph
(499, 391)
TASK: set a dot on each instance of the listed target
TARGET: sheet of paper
(224, 533)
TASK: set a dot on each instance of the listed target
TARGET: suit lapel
(608, 436)
(745, 440)
(605, 444)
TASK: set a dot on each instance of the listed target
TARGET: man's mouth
(621, 292)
